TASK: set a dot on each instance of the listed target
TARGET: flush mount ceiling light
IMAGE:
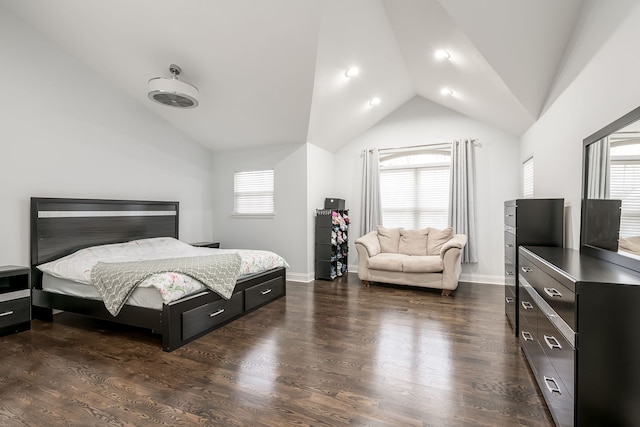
(442, 54)
(446, 91)
(374, 101)
(173, 92)
(352, 72)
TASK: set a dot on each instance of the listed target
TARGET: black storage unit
(580, 337)
(537, 222)
(15, 299)
(332, 244)
(331, 203)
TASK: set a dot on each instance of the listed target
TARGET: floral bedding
(172, 286)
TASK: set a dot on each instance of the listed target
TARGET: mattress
(148, 297)
(71, 275)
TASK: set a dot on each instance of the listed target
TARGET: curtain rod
(474, 141)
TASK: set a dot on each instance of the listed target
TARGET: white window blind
(414, 192)
(527, 178)
(253, 193)
(625, 186)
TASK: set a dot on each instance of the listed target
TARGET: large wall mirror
(610, 227)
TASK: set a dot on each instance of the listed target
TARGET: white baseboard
(300, 277)
(484, 279)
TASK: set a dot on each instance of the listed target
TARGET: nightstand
(206, 244)
(15, 299)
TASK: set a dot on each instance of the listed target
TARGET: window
(414, 189)
(253, 193)
(625, 184)
(527, 178)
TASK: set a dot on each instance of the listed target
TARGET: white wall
(68, 133)
(286, 232)
(419, 122)
(605, 89)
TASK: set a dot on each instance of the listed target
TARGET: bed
(60, 227)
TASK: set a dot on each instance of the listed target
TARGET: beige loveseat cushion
(405, 263)
(386, 262)
(413, 242)
(437, 239)
(389, 239)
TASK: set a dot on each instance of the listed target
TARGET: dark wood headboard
(62, 226)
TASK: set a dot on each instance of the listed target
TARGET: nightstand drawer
(202, 318)
(262, 293)
(15, 311)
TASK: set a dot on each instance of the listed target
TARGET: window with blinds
(253, 193)
(625, 185)
(414, 189)
(527, 178)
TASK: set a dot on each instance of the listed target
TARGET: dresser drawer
(561, 299)
(528, 308)
(528, 342)
(510, 246)
(527, 270)
(510, 302)
(559, 401)
(15, 311)
(509, 273)
(264, 292)
(560, 353)
(209, 315)
(510, 215)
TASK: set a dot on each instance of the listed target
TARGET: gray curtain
(370, 209)
(462, 199)
(598, 169)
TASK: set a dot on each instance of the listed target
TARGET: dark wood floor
(329, 353)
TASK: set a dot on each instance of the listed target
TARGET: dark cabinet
(580, 337)
(537, 222)
(15, 299)
(332, 243)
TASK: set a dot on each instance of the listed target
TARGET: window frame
(257, 196)
(417, 211)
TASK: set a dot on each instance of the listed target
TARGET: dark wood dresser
(579, 330)
(537, 222)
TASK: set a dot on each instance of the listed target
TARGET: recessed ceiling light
(446, 91)
(442, 54)
(352, 72)
(374, 101)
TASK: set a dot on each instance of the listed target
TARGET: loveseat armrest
(370, 242)
(458, 241)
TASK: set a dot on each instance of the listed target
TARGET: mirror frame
(610, 256)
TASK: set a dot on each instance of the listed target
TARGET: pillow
(389, 239)
(437, 239)
(413, 242)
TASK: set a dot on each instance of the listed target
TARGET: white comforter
(172, 286)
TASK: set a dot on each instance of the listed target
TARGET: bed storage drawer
(15, 311)
(259, 294)
(209, 315)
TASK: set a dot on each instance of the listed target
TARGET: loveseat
(429, 257)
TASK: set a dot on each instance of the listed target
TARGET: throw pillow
(389, 239)
(413, 242)
(437, 239)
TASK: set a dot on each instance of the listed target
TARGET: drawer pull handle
(554, 344)
(509, 245)
(552, 385)
(526, 269)
(509, 273)
(509, 300)
(215, 313)
(552, 292)
(268, 291)
(509, 215)
(527, 305)
(6, 313)
(527, 336)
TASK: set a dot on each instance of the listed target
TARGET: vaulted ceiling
(273, 71)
